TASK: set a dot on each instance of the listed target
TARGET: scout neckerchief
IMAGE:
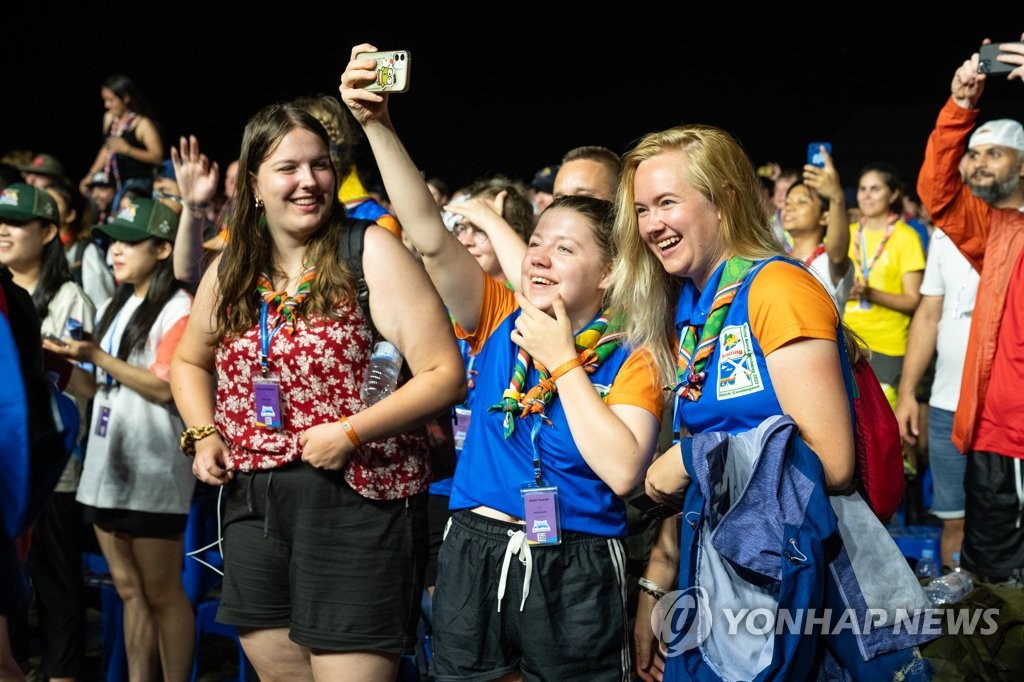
(693, 357)
(117, 129)
(285, 306)
(594, 343)
(861, 250)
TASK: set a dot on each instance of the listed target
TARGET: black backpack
(440, 437)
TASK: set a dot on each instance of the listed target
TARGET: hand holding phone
(391, 72)
(54, 339)
(814, 155)
(987, 62)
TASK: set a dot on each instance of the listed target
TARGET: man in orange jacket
(987, 425)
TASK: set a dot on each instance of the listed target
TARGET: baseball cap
(22, 203)
(100, 179)
(1004, 132)
(140, 220)
(44, 164)
(544, 179)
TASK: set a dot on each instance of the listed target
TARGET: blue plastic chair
(207, 625)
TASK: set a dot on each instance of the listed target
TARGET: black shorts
(137, 524)
(572, 625)
(304, 551)
(437, 520)
(993, 527)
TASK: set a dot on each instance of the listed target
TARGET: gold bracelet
(565, 367)
(193, 433)
(350, 432)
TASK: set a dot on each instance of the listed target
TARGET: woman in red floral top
(324, 527)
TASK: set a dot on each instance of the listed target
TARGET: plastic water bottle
(952, 587)
(926, 566)
(382, 373)
(75, 329)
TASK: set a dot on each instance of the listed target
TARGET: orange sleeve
(950, 203)
(787, 303)
(636, 383)
(390, 223)
(165, 351)
(497, 303)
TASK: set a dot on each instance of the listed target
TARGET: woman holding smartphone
(136, 487)
(531, 572)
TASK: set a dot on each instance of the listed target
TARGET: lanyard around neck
(866, 265)
(266, 337)
(818, 250)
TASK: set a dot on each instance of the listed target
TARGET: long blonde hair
(718, 168)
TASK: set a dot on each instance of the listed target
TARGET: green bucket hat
(22, 203)
(141, 220)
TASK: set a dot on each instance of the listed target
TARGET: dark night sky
(510, 92)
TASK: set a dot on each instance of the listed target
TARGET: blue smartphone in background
(814, 156)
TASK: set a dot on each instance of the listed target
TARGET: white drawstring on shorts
(517, 545)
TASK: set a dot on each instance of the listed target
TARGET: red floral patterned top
(320, 369)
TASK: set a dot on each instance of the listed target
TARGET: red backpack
(879, 452)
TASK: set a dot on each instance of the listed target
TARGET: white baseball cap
(1004, 132)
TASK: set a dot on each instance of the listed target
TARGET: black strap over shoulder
(351, 252)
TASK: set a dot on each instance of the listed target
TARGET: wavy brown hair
(251, 248)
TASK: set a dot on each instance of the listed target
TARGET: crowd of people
(667, 329)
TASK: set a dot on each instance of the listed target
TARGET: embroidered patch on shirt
(737, 368)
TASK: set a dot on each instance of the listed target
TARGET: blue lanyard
(266, 337)
(538, 477)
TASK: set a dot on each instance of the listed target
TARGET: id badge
(460, 427)
(540, 511)
(267, 393)
(103, 422)
(864, 304)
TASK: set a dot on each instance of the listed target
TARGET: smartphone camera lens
(983, 66)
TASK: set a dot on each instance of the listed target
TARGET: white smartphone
(393, 67)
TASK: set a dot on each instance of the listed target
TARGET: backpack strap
(351, 252)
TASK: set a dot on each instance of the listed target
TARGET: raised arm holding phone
(572, 425)
(991, 236)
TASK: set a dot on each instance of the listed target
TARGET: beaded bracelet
(565, 367)
(350, 432)
(652, 588)
(193, 433)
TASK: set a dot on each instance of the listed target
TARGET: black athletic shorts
(304, 551)
(572, 625)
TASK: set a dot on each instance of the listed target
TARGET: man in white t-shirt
(941, 325)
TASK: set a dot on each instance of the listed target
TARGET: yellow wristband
(350, 432)
(565, 367)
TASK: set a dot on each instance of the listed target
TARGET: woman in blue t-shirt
(565, 420)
